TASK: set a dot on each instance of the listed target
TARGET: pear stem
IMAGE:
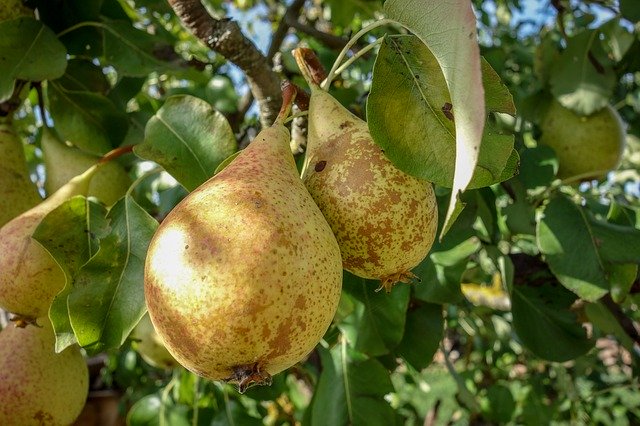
(310, 66)
(358, 55)
(115, 153)
(332, 73)
(289, 92)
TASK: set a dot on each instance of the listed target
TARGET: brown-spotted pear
(384, 219)
(243, 277)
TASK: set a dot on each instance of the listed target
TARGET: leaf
(441, 273)
(408, 111)
(449, 30)
(578, 247)
(377, 323)
(543, 321)
(84, 76)
(605, 320)
(630, 10)
(30, 51)
(351, 392)
(89, 120)
(582, 78)
(108, 296)
(129, 50)
(618, 39)
(70, 234)
(422, 335)
(189, 139)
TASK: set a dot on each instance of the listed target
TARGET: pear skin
(62, 162)
(17, 193)
(29, 277)
(384, 219)
(587, 147)
(244, 275)
(38, 386)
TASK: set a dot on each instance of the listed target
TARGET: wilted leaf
(189, 139)
(30, 51)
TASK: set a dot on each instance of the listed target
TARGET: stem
(327, 82)
(297, 115)
(38, 87)
(196, 399)
(115, 153)
(76, 26)
(310, 66)
(358, 55)
(289, 92)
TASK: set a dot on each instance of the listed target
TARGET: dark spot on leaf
(447, 110)
(320, 165)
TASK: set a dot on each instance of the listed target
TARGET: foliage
(527, 307)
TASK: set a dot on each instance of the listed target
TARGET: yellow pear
(244, 275)
(150, 346)
(586, 147)
(62, 162)
(17, 192)
(38, 386)
(384, 220)
(29, 277)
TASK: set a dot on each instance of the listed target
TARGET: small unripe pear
(150, 346)
(384, 219)
(38, 386)
(244, 275)
(62, 162)
(586, 147)
(17, 193)
(29, 276)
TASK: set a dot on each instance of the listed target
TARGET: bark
(225, 37)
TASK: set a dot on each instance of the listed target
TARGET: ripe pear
(586, 147)
(384, 219)
(37, 385)
(150, 346)
(17, 192)
(244, 275)
(29, 277)
(62, 162)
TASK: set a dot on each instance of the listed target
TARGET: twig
(329, 40)
(225, 37)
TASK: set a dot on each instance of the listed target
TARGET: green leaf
(108, 296)
(617, 40)
(501, 404)
(578, 247)
(129, 50)
(604, 319)
(409, 116)
(351, 392)
(441, 273)
(422, 335)
(582, 78)
(189, 139)
(545, 324)
(630, 10)
(234, 414)
(84, 76)
(538, 167)
(70, 234)
(30, 51)
(377, 323)
(449, 30)
(89, 120)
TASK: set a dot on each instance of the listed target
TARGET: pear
(150, 346)
(29, 277)
(17, 193)
(586, 147)
(384, 219)
(62, 162)
(37, 385)
(244, 275)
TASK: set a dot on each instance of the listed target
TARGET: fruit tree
(319, 212)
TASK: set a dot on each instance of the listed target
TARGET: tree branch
(225, 37)
(329, 40)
